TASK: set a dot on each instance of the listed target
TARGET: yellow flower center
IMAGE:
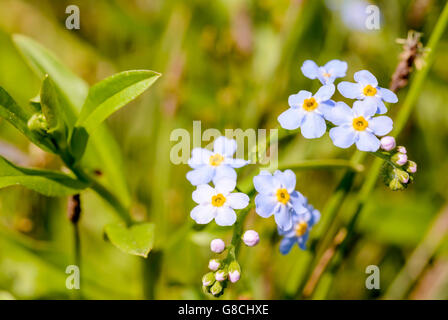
(360, 124)
(218, 200)
(301, 228)
(327, 75)
(369, 91)
(216, 159)
(310, 104)
(283, 196)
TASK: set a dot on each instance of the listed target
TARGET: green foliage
(137, 239)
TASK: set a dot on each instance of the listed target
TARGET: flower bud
(216, 289)
(217, 245)
(395, 185)
(388, 143)
(401, 149)
(221, 275)
(37, 122)
(411, 167)
(208, 279)
(401, 175)
(251, 238)
(400, 158)
(234, 272)
(214, 264)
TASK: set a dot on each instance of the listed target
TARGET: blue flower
(299, 233)
(326, 74)
(308, 112)
(366, 87)
(277, 197)
(218, 203)
(208, 165)
(357, 125)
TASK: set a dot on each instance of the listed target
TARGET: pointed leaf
(137, 239)
(46, 182)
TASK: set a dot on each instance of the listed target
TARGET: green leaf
(111, 94)
(19, 117)
(46, 182)
(137, 239)
(102, 150)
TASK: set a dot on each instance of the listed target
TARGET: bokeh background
(230, 64)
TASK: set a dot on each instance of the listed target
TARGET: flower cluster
(398, 172)
(292, 213)
(358, 125)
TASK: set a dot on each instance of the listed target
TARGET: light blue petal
(287, 179)
(298, 202)
(235, 163)
(203, 214)
(225, 185)
(367, 142)
(291, 119)
(336, 68)
(350, 90)
(366, 108)
(225, 216)
(203, 194)
(310, 69)
(286, 244)
(199, 157)
(296, 100)
(283, 218)
(381, 107)
(340, 114)
(313, 125)
(201, 175)
(237, 200)
(266, 184)
(265, 205)
(388, 95)
(364, 77)
(316, 216)
(324, 93)
(224, 171)
(343, 136)
(326, 107)
(301, 241)
(224, 146)
(381, 125)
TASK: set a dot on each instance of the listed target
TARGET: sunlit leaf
(137, 239)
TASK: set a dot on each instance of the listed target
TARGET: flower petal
(343, 136)
(350, 90)
(364, 77)
(287, 179)
(203, 194)
(286, 244)
(365, 108)
(266, 184)
(225, 185)
(225, 216)
(291, 119)
(224, 146)
(296, 100)
(381, 107)
(298, 202)
(224, 171)
(313, 126)
(310, 69)
(367, 142)
(325, 93)
(283, 218)
(237, 200)
(201, 175)
(381, 125)
(199, 157)
(203, 214)
(388, 95)
(235, 163)
(265, 205)
(336, 68)
(340, 114)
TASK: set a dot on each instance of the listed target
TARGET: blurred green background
(230, 64)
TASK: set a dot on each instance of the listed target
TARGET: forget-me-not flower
(277, 197)
(366, 87)
(357, 125)
(308, 112)
(327, 73)
(218, 203)
(299, 233)
(213, 165)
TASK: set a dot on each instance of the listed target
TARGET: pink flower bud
(221, 275)
(234, 276)
(251, 238)
(401, 149)
(402, 159)
(214, 264)
(217, 245)
(412, 167)
(387, 143)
